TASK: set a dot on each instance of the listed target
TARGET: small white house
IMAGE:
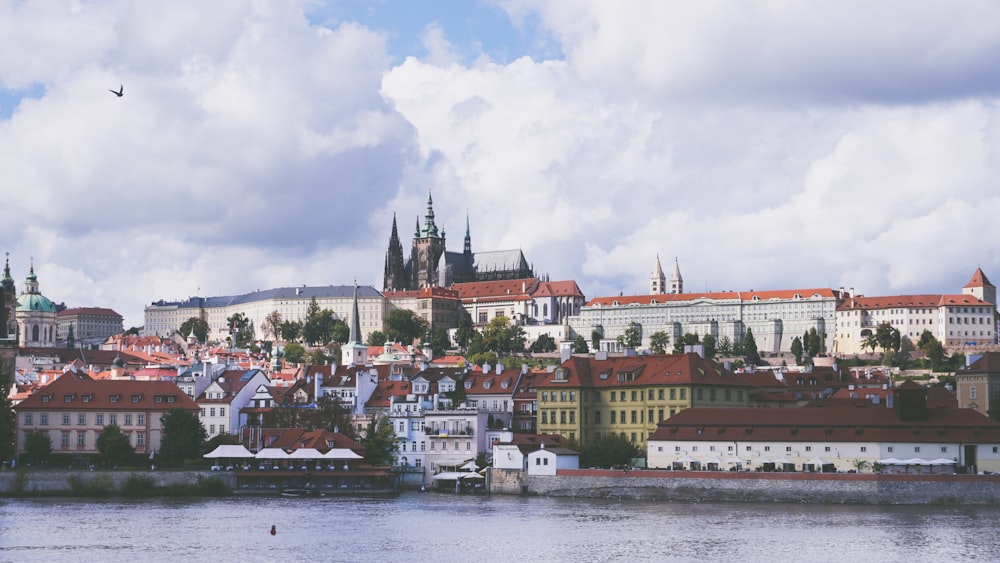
(545, 461)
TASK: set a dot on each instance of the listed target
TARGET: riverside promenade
(722, 486)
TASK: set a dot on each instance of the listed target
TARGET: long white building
(775, 317)
(162, 318)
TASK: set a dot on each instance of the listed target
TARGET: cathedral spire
(657, 280)
(394, 278)
(676, 281)
(430, 229)
(468, 236)
(355, 337)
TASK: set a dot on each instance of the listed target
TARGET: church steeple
(676, 281)
(395, 278)
(657, 280)
(354, 353)
(430, 229)
(31, 282)
(468, 237)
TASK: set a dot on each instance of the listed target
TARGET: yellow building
(587, 397)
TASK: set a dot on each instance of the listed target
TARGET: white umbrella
(471, 466)
(915, 461)
(272, 453)
(816, 461)
(891, 461)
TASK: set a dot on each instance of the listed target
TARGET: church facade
(431, 264)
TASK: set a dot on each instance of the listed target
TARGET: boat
(301, 492)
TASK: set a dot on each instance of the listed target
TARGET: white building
(162, 318)
(968, 319)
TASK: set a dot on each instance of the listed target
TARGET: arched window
(545, 309)
(34, 332)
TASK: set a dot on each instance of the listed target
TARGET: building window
(788, 448)
(140, 439)
(222, 411)
(211, 411)
(113, 419)
(673, 394)
(99, 419)
(809, 448)
(767, 448)
(890, 449)
(65, 419)
(128, 420)
(916, 449)
(43, 419)
(81, 419)
(81, 439)
(65, 439)
(826, 448)
(28, 421)
(141, 418)
(972, 392)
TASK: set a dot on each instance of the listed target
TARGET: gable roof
(666, 369)
(80, 392)
(733, 296)
(978, 280)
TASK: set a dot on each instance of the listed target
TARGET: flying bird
(120, 92)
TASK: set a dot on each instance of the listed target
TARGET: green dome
(35, 302)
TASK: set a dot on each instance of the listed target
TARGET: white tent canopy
(272, 453)
(943, 461)
(817, 461)
(341, 453)
(305, 453)
(229, 451)
(891, 461)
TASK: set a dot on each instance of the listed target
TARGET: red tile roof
(978, 280)
(80, 392)
(670, 369)
(804, 294)
(893, 301)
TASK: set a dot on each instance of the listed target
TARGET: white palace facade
(162, 318)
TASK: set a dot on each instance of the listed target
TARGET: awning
(472, 475)
(305, 453)
(229, 451)
(448, 476)
(341, 453)
(891, 461)
(943, 461)
(272, 453)
(915, 461)
(817, 461)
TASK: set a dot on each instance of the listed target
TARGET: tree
(725, 347)
(688, 339)
(797, 349)
(932, 349)
(183, 436)
(114, 446)
(500, 337)
(240, 330)
(870, 341)
(328, 414)
(196, 326)
(658, 342)
(708, 342)
(632, 338)
(750, 348)
(7, 417)
(404, 326)
(609, 450)
(375, 338)
(38, 446)
(580, 345)
(887, 338)
(596, 336)
(272, 325)
(294, 353)
(320, 325)
(439, 341)
(291, 331)
(463, 335)
(320, 357)
(543, 344)
(380, 442)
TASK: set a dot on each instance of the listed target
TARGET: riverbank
(140, 483)
(701, 486)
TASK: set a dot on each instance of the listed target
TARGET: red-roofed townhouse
(224, 398)
(906, 434)
(978, 384)
(74, 409)
(510, 451)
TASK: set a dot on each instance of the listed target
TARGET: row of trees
(660, 340)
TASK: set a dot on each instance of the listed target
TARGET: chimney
(499, 368)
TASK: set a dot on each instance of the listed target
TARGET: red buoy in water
(274, 530)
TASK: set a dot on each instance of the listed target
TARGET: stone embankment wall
(19, 482)
(693, 486)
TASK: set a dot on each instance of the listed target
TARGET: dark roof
(303, 292)
(636, 371)
(861, 422)
(989, 363)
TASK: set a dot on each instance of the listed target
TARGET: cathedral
(431, 264)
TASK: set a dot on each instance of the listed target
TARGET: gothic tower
(676, 281)
(9, 290)
(657, 280)
(428, 247)
(395, 275)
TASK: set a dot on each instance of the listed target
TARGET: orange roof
(979, 280)
(893, 301)
(825, 293)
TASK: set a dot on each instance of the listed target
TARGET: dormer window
(604, 375)
(86, 398)
(46, 398)
(159, 398)
(136, 398)
(561, 374)
(170, 398)
(468, 385)
(487, 384)
(504, 384)
(113, 398)
(68, 398)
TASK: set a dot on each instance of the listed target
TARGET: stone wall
(689, 486)
(506, 481)
(53, 482)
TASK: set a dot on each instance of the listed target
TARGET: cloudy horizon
(764, 145)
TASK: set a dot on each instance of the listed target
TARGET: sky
(260, 144)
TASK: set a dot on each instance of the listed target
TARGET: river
(444, 527)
